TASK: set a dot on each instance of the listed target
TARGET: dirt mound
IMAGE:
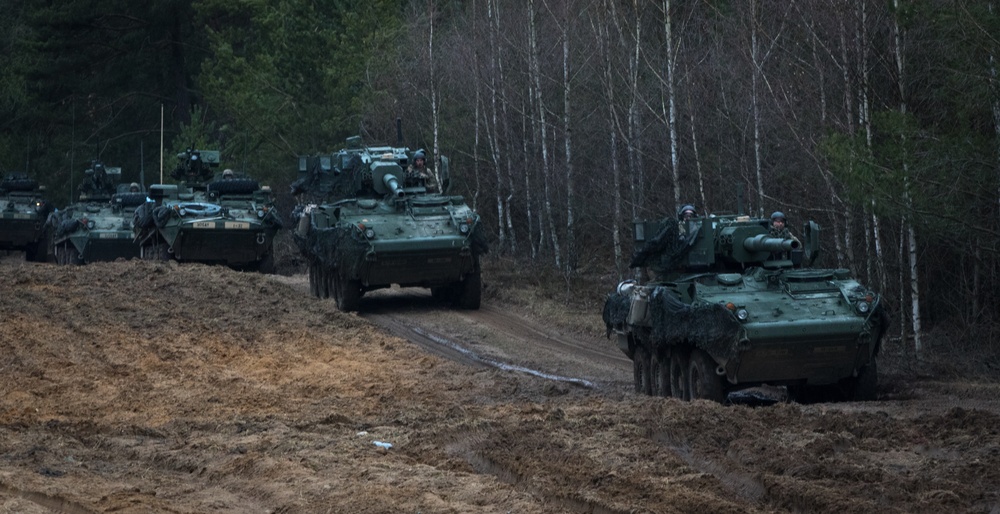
(139, 387)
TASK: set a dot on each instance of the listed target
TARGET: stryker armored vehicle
(24, 212)
(732, 314)
(375, 224)
(209, 217)
(99, 226)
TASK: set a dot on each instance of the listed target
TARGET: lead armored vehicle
(24, 213)
(733, 311)
(98, 227)
(365, 222)
(209, 217)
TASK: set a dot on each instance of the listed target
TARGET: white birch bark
(636, 172)
(754, 57)
(671, 100)
(435, 111)
(849, 119)
(604, 46)
(494, 137)
(911, 233)
(570, 261)
(536, 79)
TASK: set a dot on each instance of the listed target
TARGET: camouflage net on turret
(666, 250)
(331, 247)
(709, 327)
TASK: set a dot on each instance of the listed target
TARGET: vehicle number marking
(237, 225)
(203, 224)
(107, 235)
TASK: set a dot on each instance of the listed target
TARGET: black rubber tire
(866, 383)
(68, 255)
(660, 375)
(443, 293)
(678, 371)
(130, 199)
(266, 263)
(19, 184)
(469, 292)
(38, 251)
(641, 371)
(348, 293)
(705, 384)
(313, 280)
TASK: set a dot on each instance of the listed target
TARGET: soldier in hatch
(418, 172)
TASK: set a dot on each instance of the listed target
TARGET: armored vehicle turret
(98, 227)
(731, 309)
(24, 212)
(367, 220)
(209, 217)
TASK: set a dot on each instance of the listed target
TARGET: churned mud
(157, 387)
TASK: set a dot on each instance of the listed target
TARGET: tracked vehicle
(98, 227)
(364, 222)
(209, 217)
(24, 212)
(733, 313)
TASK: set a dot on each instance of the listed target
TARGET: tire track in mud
(53, 503)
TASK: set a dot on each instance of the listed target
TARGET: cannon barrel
(763, 243)
(392, 183)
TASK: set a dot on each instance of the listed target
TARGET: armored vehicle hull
(222, 221)
(734, 318)
(23, 218)
(97, 232)
(380, 228)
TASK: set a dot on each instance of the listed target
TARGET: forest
(566, 120)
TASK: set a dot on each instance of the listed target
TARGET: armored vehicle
(732, 310)
(99, 226)
(376, 223)
(209, 217)
(24, 212)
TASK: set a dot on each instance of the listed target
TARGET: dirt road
(152, 387)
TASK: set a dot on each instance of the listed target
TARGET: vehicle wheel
(313, 280)
(443, 293)
(328, 284)
(679, 374)
(348, 293)
(37, 251)
(163, 251)
(659, 371)
(641, 372)
(266, 264)
(469, 292)
(866, 384)
(704, 383)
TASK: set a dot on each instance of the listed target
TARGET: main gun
(764, 243)
(392, 183)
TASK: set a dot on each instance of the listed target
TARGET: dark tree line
(566, 120)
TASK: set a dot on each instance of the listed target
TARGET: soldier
(228, 174)
(780, 230)
(419, 172)
(133, 188)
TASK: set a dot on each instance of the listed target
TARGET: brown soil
(152, 387)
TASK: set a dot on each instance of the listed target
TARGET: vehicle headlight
(182, 211)
(742, 314)
(91, 224)
(463, 228)
(370, 233)
(863, 307)
(261, 213)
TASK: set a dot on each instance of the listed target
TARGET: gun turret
(392, 183)
(716, 243)
(195, 167)
(763, 243)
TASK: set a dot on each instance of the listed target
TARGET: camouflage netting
(615, 311)
(333, 246)
(143, 216)
(666, 250)
(319, 186)
(239, 186)
(709, 327)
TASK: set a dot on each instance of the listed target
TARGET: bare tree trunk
(849, 119)
(543, 132)
(636, 172)
(571, 257)
(757, 64)
(911, 233)
(493, 16)
(694, 147)
(604, 46)
(526, 121)
(672, 115)
(435, 109)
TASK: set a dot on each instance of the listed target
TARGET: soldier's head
(133, 188)
(419, 159)
(686, 212)
(228, 174)
(778, 219)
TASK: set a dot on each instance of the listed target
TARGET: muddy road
(156, 387)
